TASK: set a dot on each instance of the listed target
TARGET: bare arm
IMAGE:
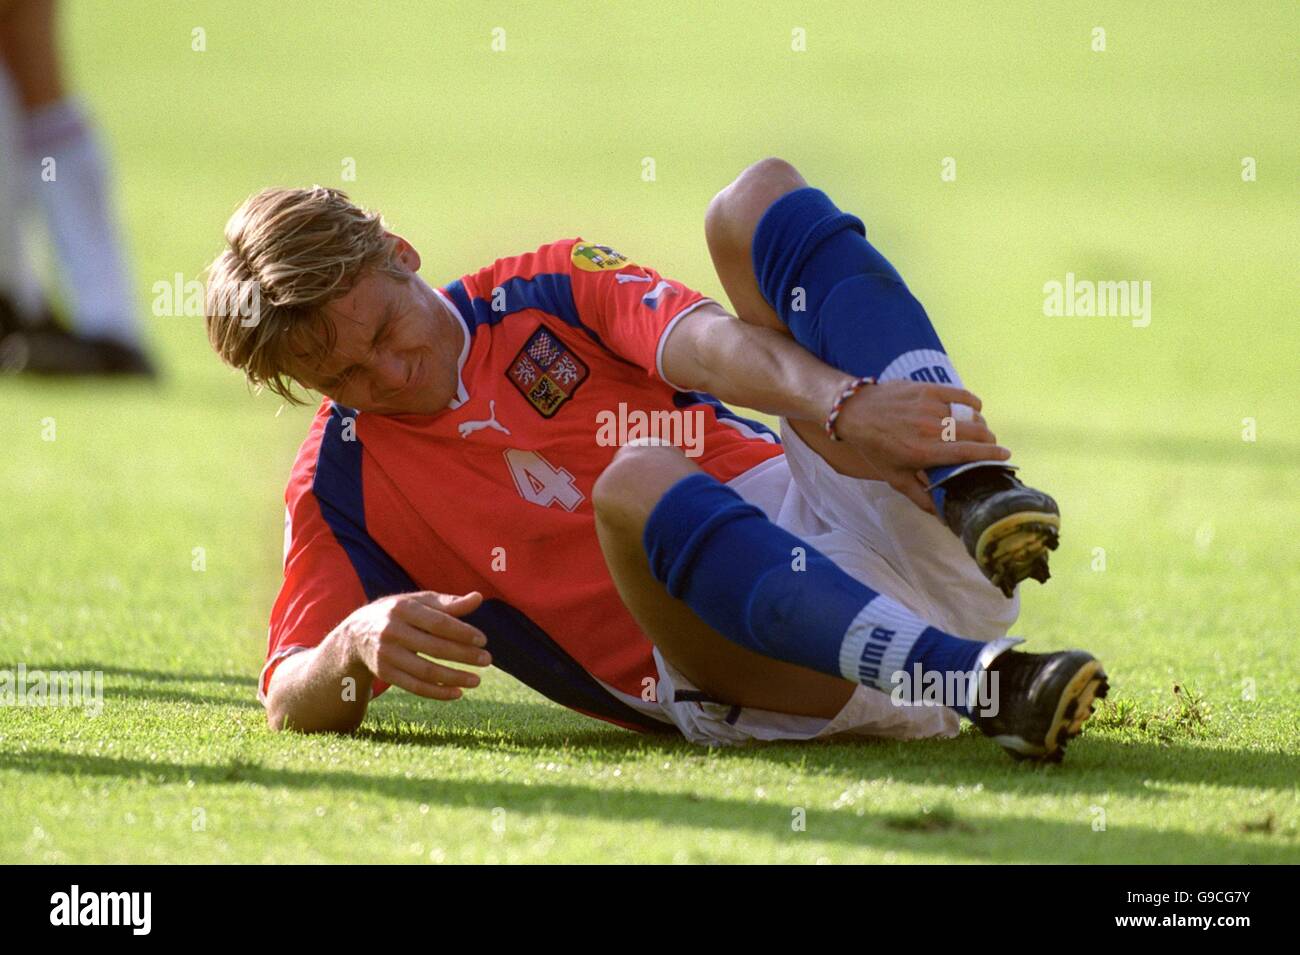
(749, 365)
(306, 692)
(327, 688)
(898, 426)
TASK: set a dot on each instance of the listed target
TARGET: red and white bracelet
(853, 388)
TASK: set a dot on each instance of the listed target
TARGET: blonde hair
(290, 252)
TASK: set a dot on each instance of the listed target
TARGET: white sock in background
(80, 219)
(18, 281)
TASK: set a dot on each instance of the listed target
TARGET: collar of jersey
(462, 395)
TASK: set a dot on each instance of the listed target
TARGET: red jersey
(561, 363)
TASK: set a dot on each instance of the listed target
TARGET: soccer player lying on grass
(461, 496)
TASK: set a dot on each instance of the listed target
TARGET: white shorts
(884, 540)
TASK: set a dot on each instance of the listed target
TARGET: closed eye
(381, 332)
(339, 380)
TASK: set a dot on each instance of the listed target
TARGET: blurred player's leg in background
(20, 293)
(61, 169)
(791, 260)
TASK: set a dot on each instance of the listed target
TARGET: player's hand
(903, 427)
(392, 636)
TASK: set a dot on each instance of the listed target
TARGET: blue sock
(768, 591)
(842, 300)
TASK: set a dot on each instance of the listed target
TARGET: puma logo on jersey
(652, 297)
(466, 428)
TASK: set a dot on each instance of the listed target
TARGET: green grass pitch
(1179, 559)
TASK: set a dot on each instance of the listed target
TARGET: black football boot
(1037, 702)
(1006, 526)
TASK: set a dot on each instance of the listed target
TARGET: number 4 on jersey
(539, 482)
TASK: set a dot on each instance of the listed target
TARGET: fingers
(428, 690)
(400, 638)
(400, 659)
(426, 612)
(459, 604)
(908, 485)
(924, 480)
(447, 650)
(417, 640)
(964, 452)
(953, 395)
(976, 431)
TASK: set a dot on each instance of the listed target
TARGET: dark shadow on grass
(1094, 764)
(517, 724)
(244, 688)
(185, 696)
(1008, 838)
(1097, 762)
(155, 676)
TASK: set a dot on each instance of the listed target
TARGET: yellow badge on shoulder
(598, 258)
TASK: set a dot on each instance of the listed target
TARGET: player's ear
(405, 253)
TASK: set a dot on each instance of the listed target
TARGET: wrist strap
(853, 388)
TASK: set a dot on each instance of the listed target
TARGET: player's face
(396, 345)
